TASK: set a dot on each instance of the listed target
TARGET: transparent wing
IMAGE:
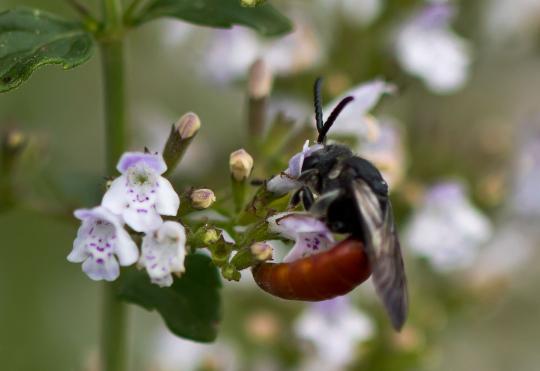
(384, 252)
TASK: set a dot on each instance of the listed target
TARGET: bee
(349, 194)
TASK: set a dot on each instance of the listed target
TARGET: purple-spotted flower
(428, 48)
(163, 253)
(288, 179)
(335, 328)
(102, 244)
(311, 236)
(140, 195)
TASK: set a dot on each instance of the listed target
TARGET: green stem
(114, 318)
(112, 52)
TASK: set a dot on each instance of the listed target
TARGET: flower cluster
(137, 198)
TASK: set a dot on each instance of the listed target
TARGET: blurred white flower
(426, 47)
(101, 240)
(507, 251)
(511, 19)
(163, 253)
(377, 140)
(141, 194)
(525, 192)
(175, 33)
(311, 236)
(172, 353)
(355, 119)
(232, 52)
(335, 328)
(358, 12)
(387, 151)
(446, 228)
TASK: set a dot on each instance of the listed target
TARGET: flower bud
(251, 3)
(262, 251)
(210, 237)
(188, 125)
(182, 133)
(202, 198)
(260, 80)
(13, 142)
(241, 164)
(230, 273)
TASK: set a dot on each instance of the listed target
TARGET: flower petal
(142, 219)
(281, 184)
(126, 249)
(115, 199)
(167, 200)
(79, 253)
(311, 235)
(101, 269)
(130, 159)
(101, 237)
(366, 96)
(163, 253)
(286, 181)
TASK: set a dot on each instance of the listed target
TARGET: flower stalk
(113, 337)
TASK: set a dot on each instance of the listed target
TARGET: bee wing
(384, 252)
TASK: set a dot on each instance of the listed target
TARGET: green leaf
(191, 307)
(219, 13)
(31, 38)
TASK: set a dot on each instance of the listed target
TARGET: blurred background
(459, 141)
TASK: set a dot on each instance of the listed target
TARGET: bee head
(324, 127)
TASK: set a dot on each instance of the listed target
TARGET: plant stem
(113, 341)
(112, 53)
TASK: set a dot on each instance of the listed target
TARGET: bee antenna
(317, 101)
(333, 116)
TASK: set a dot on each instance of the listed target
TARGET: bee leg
(295, 198)
(307, 197)
(321, 205)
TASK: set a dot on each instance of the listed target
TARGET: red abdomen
(317, 277)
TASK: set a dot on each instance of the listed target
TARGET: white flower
(525, 195)
(335, 328)
(141, 194)
(355, 120)
(357, 12)
(101, 240)
(386, 151)
(311, 235)
(232, 52)
(287, 180)
(163, 253)
(447, 229)
(512, 20)
(172, 353)
(426, 47)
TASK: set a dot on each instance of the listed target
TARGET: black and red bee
(349, 194)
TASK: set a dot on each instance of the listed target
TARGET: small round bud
(188, 125)
(13, 141)
(241, 164)
(251, 3)
(210, 237)
(202, 198)
(260, 79)
(262, 251)
(230, 273)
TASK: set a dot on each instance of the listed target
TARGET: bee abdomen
(317, 277)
